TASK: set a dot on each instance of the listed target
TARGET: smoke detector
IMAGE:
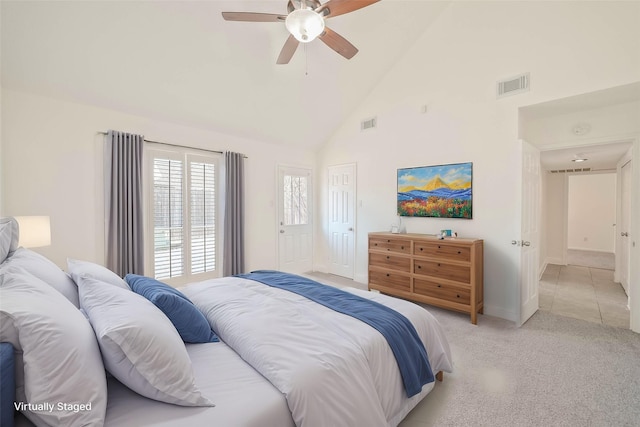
(581, 129)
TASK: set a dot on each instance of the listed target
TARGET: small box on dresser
(447, 273)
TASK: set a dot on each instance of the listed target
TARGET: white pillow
(8, 237)
(139, 344)
(45, 270)
(61, 361)
(79, 268)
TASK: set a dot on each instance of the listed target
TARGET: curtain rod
(177, 145)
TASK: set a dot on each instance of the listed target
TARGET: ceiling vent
(369, 124)
(513, 85)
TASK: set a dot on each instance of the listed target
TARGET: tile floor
(585, 293)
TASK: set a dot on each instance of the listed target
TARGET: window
(183, 217)
(295, 200)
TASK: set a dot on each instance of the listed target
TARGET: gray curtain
(233, 254)
(125, 245)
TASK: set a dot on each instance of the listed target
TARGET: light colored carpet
(553, 371)
(605, 260)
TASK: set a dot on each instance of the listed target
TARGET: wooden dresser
(446, 273)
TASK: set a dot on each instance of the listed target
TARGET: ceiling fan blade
(340, 7)
(338, 43)
(253, 17)
(288, 50)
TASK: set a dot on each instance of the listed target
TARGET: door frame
(634, 227)
(627, 159)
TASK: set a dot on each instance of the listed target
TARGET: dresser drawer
(391, 280)
(390, 261)
(442, 250)
(457, 273)
(459, 294)
(390, 245)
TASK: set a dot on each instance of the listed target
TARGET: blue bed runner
(397, 329)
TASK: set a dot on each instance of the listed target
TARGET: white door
(342, 202)
(529, 231)
(625, 219)
(295, 222)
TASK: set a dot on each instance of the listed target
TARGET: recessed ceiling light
(578, 160)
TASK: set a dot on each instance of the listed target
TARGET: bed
(267, 356)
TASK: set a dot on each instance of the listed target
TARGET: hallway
(585, 293)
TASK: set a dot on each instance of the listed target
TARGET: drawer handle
(457, 296)
(419, 267)
(387, 256)
(420, 249)
(388, 241)
(459, 252)
(439, 247)
(439, 286)
(387, 274)
(375, 244)
(438, 264)
(401, 247)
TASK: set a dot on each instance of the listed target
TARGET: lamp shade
(304, 24)
(34, 231)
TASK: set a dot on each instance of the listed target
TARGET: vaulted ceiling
(179, 61)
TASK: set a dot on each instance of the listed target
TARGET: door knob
(350, 228)
(525, 243)
(281, 231)
(624, 234)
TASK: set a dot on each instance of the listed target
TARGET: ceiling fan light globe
(304, 24)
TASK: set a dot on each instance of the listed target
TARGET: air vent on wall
(570, 170)
(368, 124)
(513, 85)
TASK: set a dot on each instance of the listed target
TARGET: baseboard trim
(494, 311)
(591, 250)
(361, 278)
(556, 261)
(542, 269)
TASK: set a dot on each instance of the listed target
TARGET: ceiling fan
(305, 22)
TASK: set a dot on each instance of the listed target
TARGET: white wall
(592, 212)
(610, 123)
(53, 161)
(554, 205)
(453, 69)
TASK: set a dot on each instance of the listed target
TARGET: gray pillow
(45, 270)
(8, 237)
(139, 344)
(79, 269)
(58, 356)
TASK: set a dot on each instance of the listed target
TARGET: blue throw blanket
(398, 330)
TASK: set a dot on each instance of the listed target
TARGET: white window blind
(168, 242)
(203, 217)
(184, 214)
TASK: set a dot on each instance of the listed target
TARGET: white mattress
(242, 396)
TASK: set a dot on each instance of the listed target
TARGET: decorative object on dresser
(445, 273)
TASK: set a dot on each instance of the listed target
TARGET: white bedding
(333, 369)
(242, 396)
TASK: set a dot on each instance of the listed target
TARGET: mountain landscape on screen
(436, 191)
